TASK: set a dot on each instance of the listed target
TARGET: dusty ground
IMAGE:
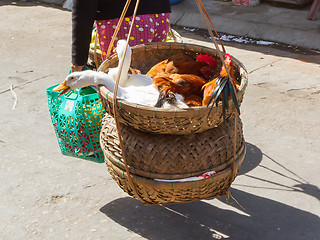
(45, 195)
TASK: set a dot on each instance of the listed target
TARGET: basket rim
(106, 93)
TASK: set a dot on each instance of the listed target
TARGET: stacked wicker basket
(161, 146)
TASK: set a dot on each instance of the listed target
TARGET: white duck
(127, 79)
(144, 95)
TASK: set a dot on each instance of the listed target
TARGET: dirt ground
(46, 195)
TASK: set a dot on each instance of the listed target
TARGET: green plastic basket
(76, 118)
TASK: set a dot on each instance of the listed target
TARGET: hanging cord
(124, 11)
(95, 50)
(230, 195)
(201, 7)
(202, 10)
(234, 147)
(115, 108)
(206, 13)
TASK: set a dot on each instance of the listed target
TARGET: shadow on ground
(252, 160)
(256, 218)
(262, 219)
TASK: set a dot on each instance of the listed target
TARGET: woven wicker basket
(169, 121)
(157, 156)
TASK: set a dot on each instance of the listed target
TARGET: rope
(203, 13)
(206, 13)
(115, 108)
(125, 9)
(95, 50)
(230, 195)
(201, 7)
(234, 147)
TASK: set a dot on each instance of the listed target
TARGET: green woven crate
(76, 118)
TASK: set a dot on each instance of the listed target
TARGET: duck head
(84, 79)
(76, 80)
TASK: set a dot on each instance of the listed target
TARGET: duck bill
(62, 87)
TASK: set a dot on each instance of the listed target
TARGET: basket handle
(211, 23)
(124, 11)
(76, 94)
(95, 50)
(115, 108)
(203, 13)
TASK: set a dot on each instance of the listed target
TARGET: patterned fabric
(146, 28)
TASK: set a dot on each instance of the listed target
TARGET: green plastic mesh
(76, 118)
